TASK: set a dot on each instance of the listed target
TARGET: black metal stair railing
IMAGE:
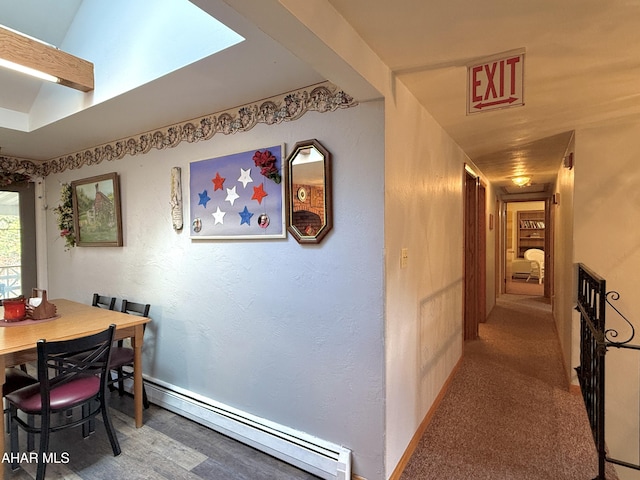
(595, 340)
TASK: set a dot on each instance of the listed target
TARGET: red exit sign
(495, 83)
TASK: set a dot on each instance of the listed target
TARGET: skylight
(133, 43)
(129, 43)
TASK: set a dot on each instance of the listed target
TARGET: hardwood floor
(168, 446)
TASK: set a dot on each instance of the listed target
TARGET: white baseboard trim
(311, 454)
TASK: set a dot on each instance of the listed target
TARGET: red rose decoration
(266, 161)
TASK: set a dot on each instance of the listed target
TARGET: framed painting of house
(97, 218)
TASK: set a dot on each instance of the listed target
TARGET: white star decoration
(245, 177)
(218, 215)
(231, 195)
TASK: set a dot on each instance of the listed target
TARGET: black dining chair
(122, 356)
(15, 379)
(103, 301)
(109, 303)
(71, 373)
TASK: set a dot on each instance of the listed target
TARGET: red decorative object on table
(14, 309)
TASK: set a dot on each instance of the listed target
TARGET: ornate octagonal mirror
(309, 216)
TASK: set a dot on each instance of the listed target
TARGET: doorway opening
(17, 241)
(526, 237)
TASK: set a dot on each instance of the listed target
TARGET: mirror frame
(290, 193)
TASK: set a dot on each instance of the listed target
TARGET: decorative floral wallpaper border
(324, 97)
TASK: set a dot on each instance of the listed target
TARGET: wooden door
(482, 253)
(548, 249)
(470, 257)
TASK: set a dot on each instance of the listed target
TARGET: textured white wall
(424, 205)
(564, 297)
(290, 333)
(422, 212)
(607, 239)
(492, 268)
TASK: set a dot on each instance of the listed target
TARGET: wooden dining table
(73, 320)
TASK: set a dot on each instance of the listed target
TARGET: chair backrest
(134, 308)
(103, 302)
(60, 362)
(535, 254)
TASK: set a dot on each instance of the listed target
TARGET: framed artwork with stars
(238, 196)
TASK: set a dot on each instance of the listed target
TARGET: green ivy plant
(64, 213)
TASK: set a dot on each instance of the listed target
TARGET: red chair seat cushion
(65, 396)
(120, 356)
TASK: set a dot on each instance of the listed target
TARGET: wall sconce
(567, 161)
(521, 180)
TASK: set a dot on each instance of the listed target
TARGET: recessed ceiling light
(521, 180)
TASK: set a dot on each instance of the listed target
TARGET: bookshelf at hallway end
(530, 231)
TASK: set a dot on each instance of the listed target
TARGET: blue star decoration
(245, 215)
(204, 198)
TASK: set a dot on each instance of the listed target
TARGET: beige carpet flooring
(508, 414)
(522, 287)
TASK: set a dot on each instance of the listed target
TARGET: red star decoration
(218, 182)
(259, 193)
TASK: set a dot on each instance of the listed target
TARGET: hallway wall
(239, 321)
(607, 239)
(564, 298)
(424, 205)
(493, 256)
(423, 213)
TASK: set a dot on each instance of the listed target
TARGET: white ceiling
(249, 71)
(582, 70)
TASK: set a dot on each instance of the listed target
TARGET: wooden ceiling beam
(71, 71)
